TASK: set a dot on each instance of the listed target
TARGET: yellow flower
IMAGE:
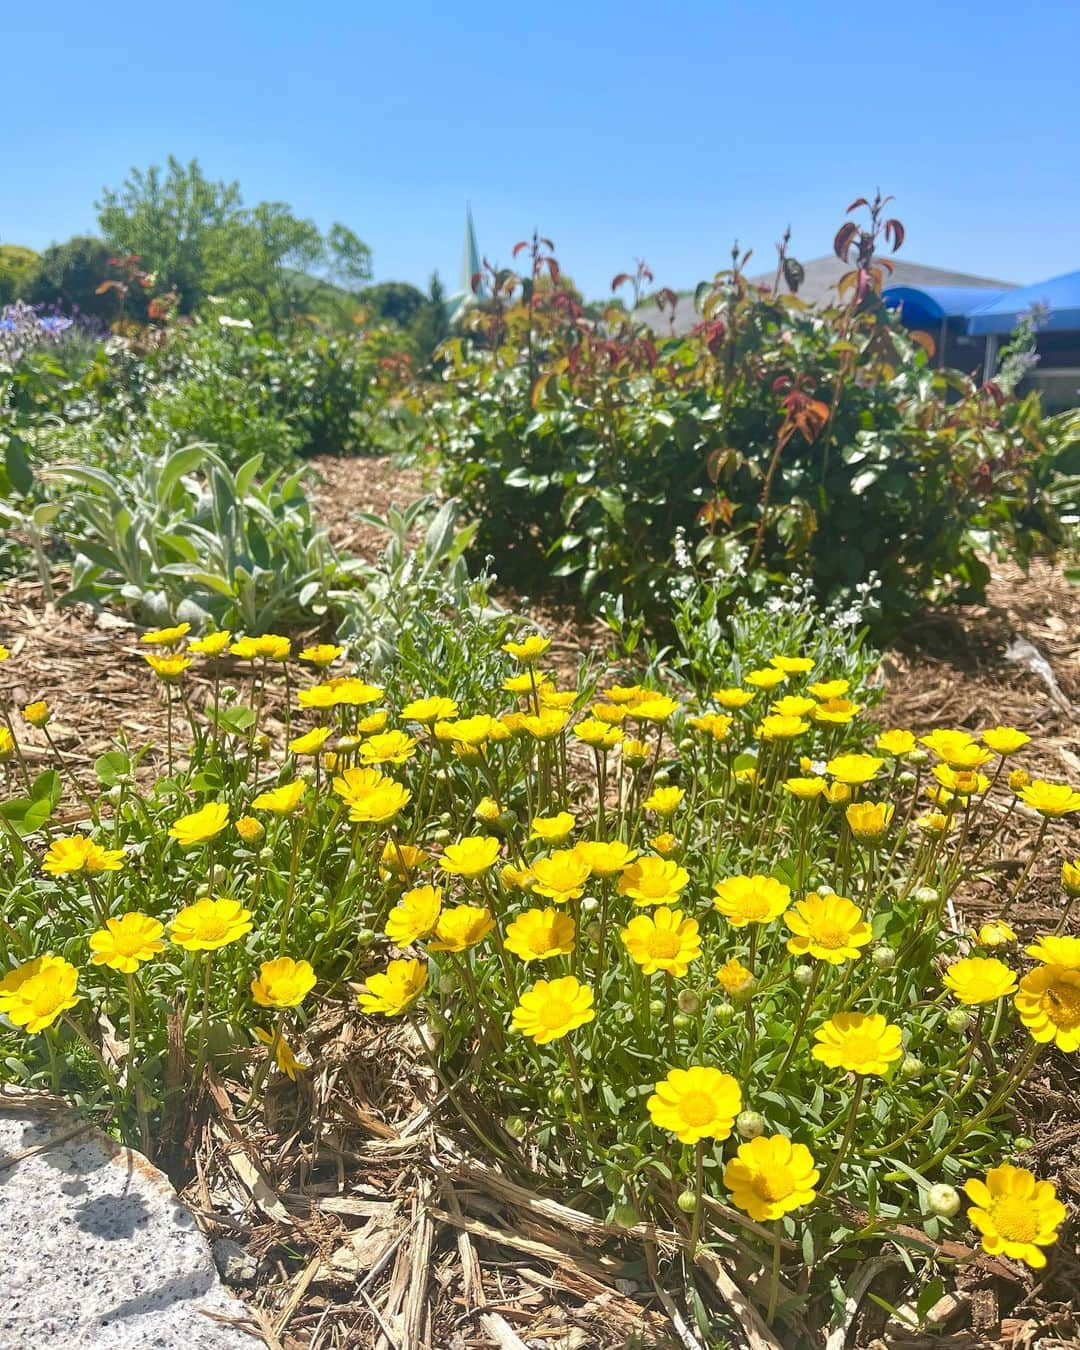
(664, 801)
(529, 651)
(769, 1177)
(538, 934)
(868, 820)
(858, 1042)
(460, 928)
(996, 933)
(524, 683)
(428, 710)
(282, 801)
(552, 829)
(854, 770)
(415, 915)
(392, 747)
(392, 992)
(733, 977)
(733, 698)
(776, 728)
(343, 690)
(665, 844)
(1054, 950)
(837, 711)
(4, 653)
(634, 753)
(662, 941)
(552, 1009)
(626, 694)
(1015, 1215)
(696, 1103)
(656, 708)
(311, 742)
(470, 856)
(487, 810)
(522, 878)
(898, 743)
(836, 794)
(371, 797)
(286, 1060)
(470, 731)
(1070, 877)
(934, 823)
(200, 825)
(962, 782)
(555, 698)
(1050, 799)
(979, 979)
(715, 725)
(744, 900)
(1005, 740)
(546, 724)
(792, 665)
(37, 714)
(35, 994)
(209, 924)
(827, 689)
(805, 788)
(653, 881)
(250, 830)
(167, 668)
(1019, 778)
(958, 749)
(166, 637)
(213, 644)
(282, 983)
(322, 654)
(562, 876)
(829, 927)
(76, 853)
(605, 860)
(765, 678)
(7, 743)
(1048, 1002)
(792, 705)
(126, 942)
(400, 860)
(610, 713)
(591, 731)
(267, 647)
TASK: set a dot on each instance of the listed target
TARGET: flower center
(830, 935)
(773, 1183)
(210, 929)
(1015, 1219)
(696, 1108)
(860, 1047)
(1061, 1003)
(664, 944)
(43, 997)
(554, 1013)
(755, 907)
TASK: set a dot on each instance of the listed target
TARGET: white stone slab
(97, 1251)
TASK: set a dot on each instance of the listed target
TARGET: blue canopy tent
(941, 311)
(1059, 295)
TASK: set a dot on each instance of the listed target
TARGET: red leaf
(845, 236)
(894, 233)
(524, 243)
(859, 201)
(620, 280)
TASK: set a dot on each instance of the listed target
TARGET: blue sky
(622, 130)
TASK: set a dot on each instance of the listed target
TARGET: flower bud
(958, 1020)
(589, 904)
(919, 757)
(366, 936)
(724, 1012)
(803, 975)
(114, 793)
(1070, 877)
(750, 1124)
(681, 1022)
(883, 956)
(318, 917)
(441, 836)
(306, 773)
(662, 777)
(1019, 779)
(687, 1202)
(911, 1066)
(266, 856)
(943, 1200)
(656, 1007)
(686, 745)
(447, 982)
(925, 895)
(593, 932)
(515, 1127)
(689, 1002)
(906, 778)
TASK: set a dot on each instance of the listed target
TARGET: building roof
(922, 305)
(819, 287)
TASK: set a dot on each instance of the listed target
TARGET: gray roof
(819, 287)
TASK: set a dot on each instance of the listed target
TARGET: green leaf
(18, 467)
(111, 767)
(47, 787)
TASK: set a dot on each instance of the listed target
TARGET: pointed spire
(470, 266)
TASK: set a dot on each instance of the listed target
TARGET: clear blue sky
(622, 130)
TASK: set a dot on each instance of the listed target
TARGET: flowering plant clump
(708, 952)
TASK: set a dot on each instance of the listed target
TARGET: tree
(197, 238)
(431, 324)
(16, 266)
(394, 301)
(69, 275)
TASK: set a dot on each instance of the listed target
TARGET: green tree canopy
(69, 275)
(198, 238)
(16, 265)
